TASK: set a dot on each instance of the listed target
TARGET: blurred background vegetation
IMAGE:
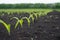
(30, 5)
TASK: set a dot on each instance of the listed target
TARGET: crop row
(20, 21)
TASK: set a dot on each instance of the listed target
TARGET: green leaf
(28, 20)
(21, 22)
(7, 26)
(16, 24)
(14, 18)
(31, 16)
(35, 14)
(18, 21)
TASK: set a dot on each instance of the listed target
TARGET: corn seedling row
(20, 21)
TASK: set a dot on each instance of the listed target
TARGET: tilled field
(44, 28)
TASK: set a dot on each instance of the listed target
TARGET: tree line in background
(24, 6)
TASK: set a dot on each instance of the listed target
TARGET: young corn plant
(21, 22)
(36, 15)
(39, 14)
(18, 21)
(43, 13)
(28, 20)
(7, 26)
(32, 17)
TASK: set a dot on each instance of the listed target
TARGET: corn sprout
(7, 26)
(31, 16)
(18, 21)
(28, 20)
(35, 14)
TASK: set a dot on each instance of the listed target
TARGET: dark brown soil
(45, 28)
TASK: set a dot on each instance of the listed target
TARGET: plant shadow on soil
(45, 28)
